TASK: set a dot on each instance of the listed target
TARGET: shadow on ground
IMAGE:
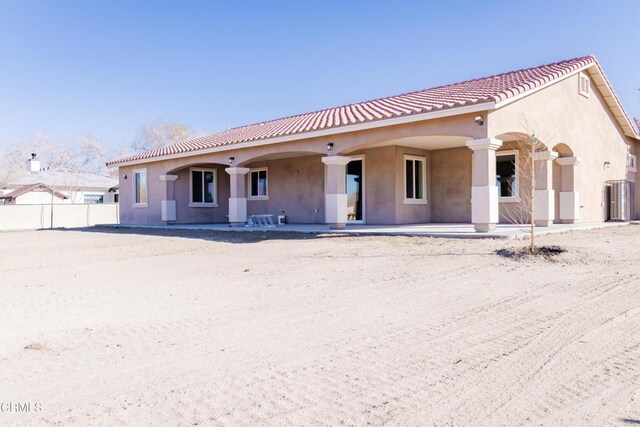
(231, 236)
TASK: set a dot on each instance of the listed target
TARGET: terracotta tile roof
(494, 88)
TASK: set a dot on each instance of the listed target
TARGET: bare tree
(8, 169)
(72, 188)
(92, 154)
(527, 143)
(160, 134)
(14, 155)
(86, 154)
(523, 185)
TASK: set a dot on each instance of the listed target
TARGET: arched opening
(515, 174)
(563, 150)
(289, 184)
(565, 195)
(200, 192)
(421, 142)
(265, 157)
(414, 178)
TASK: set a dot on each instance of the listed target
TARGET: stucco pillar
(544, 196)
(238, 198)
(336, 191)
(484, 190)
(168, 205)
(569, 198)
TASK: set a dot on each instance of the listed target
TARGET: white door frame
(363, 191)
(362, 184)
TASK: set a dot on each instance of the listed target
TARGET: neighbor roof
(64, 178)
(33, 187)
(493, 89)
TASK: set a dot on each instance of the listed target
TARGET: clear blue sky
(69, 68)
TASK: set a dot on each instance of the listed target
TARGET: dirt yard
(136, 327)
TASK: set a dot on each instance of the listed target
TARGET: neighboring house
(76, 186)
(429, 156)
(17, 196)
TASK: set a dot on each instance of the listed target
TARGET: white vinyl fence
(25, 217)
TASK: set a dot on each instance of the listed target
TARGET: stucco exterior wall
(155, 194)
(201, 215)
(379, 186)
(295, 188)
(451, 185)
(559, 114)
(411, 213)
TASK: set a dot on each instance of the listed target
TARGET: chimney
(33, 163)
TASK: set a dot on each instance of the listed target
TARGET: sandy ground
(136, 327)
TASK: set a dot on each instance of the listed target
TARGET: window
(415, 181)
(585, 85)
(258, 184)
(93, 198)
(140, 188)
(203, 188)
(631, 163)
(507, 174)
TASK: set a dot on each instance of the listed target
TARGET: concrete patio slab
(465, 231)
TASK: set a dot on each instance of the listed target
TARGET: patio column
(569, 198)
(544, 202)
(168, 205)
(336, 191)
(238, 199)
(484, 190)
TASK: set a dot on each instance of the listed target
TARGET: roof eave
(430, 115)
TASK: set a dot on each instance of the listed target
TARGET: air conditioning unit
(619, 200)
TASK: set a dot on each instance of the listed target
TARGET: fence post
(51, 226)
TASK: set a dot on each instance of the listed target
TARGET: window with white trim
(203, 187)
(140, 187)
(585, 85)
(415, 179)
(507, 173)
(631, 163)
(258, 183)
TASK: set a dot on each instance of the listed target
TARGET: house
(449, 154)
(15, 197)
(36, 185)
